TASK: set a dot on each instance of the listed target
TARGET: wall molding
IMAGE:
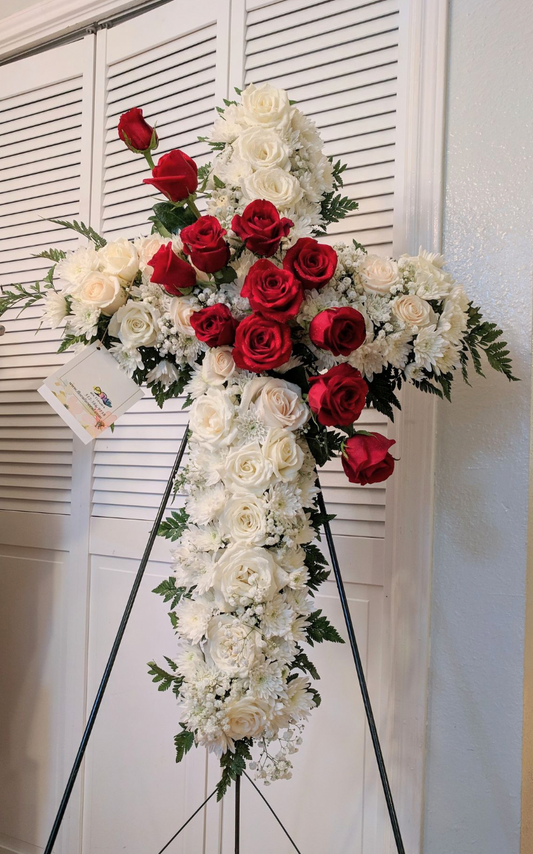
(52, 20)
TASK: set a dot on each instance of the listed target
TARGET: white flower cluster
(250, 487)
(270, 151)
(415, 314)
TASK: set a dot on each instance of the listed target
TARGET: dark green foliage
(483, 336)
(183, 742)
(233, 765)
(84, 230)
(323, 444)
(173, 526)
(69, 340)
(335, 207)
(203, 175)
(165, 679)
(172, 217)
(28, 294)
(54, 255)
(302, 662)
(168, 590)
(320, 629)
(381, 391)
(317, 566)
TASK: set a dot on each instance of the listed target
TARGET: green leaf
(381, 391)
(163, 678)
(335, 207)
(233, 765)
(302, 662)
(170, 593)
(84, 230)
(174, 525)
(320, 629)
(317, 566)
(173, 218)
(483, 337)
(55, 255)
(183, 742)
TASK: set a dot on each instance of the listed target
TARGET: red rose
(366, 458)
(313, 263)
(135, 131)
(341, 330)
(175, 175)
(261, 228)
(338, 396)
(204, 242)
(214, 325)
(171, 272)
(261, 344)
(273, 292)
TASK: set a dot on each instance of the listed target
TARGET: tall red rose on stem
(366, 459)
(175, 175)
(137, 134)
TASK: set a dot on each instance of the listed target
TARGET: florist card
(90, 392)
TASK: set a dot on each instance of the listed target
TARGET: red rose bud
(214, 325)
(175, 175)
(366, 458)
(261, 344)
(340, 330)
(261, 228)
(204, 242)
(273, 292)
(136, 133)
(313, 263)
(338, 396)
(171, 272)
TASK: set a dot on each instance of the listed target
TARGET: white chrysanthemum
(429, 281)
(265, 682)
(428, 347)
(453, 322)
(284, 502)
(193, 569)
(371, 357)
(206, 504)
(83, 319)
(129, 359)
(164, 372)
(277, 618)
(193, 618)
(398, 347)
(450, 359)
(190, 661)
(73, 269)
(55, 308)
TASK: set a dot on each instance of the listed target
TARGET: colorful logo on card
(102, 395)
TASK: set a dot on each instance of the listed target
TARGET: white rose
(181, 309)
(430, 280)
(277, 402)
(378, 274)
(262, 147)
(147, 247)
(273, 184)
(244, 519)
(247, 717)
(413, 311)
(233, 647)
(244, 576)
(101, 291)
(246, 469)
(119, 258)
(266, 106)
(135, 324)
(218, 365)
(212, 418)
(284, 454)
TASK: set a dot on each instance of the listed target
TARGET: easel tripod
(118, 640)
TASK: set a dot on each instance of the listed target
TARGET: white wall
(10, 7)
(475, 704)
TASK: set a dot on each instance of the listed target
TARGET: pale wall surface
(475, 704)
(10, 7)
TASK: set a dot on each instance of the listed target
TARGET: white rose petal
(277, 402)
(212, 418)
(283, 453)
(245, 575)
(262, 147)
(378, 274)
(413, 311)
(266, 106)
(232, 646)
(181, 310)
(246, 469)
(135, 324)
(119, 258)
(101, 291)
(244, 519)
(273, 184)
(247, 717)
(218, 365)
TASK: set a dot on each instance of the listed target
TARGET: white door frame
(417, 221)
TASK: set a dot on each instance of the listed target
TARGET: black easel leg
(114, 650)
(238, 814)
(361, 677)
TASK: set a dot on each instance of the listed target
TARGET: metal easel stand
(118, 640)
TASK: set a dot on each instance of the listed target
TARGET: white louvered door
(172, 62)
(46, 106)
(75, 519)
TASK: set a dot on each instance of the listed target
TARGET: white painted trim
(409, 524)
(52, 19)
